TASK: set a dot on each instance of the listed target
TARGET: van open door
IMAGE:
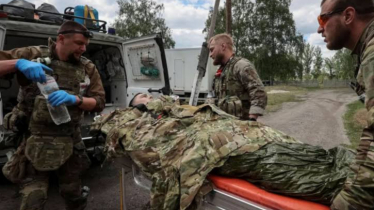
(145, 65)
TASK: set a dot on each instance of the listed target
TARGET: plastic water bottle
(59, 114)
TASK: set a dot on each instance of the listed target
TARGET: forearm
(255, 89)
(88, 104)
(257, 100)
(7, 67)
(95, 91)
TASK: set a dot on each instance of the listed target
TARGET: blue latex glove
(32, 70)
(61, 97)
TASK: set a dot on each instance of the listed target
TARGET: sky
(186, 18)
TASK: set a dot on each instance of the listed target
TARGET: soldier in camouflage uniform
(237, 86)
(177, 146)
(350, 24)
(49, 147)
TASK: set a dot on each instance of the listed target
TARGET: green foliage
(242, 12)
(344, 64)
(307, 59)
(138, 18)
(353, 129)
(318, 63)
(329, 65)
(275, 100)
(341, 65)
(264, 32)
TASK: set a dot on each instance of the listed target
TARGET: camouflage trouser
(358, 190)
(35, 186)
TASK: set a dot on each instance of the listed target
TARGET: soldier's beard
(72, 59)
(218, 60)
(340, 40)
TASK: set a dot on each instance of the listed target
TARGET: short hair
(223, 38)
(71, 26)
(132, 100)
(361, 6)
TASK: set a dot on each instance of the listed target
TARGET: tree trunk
(228, 17)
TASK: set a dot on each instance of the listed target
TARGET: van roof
(29, 26)
(21, 28)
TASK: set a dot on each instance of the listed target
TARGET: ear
(60, 38)
(349, 15)
(224, 46)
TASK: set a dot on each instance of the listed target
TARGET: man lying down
(177, 146)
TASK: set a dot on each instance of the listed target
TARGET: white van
(182, 64)
(117, 60)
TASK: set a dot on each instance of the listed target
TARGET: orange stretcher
(252, 193)
(234, 194)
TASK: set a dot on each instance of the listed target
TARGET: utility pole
(228, 17)
(203, 59)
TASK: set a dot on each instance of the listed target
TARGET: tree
(264, 32)
(241, 22)
(341, 65)
(308, 56)
(138, 18)
(318, 63)
(344, 64)
(329, 63)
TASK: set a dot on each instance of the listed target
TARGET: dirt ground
(316, 120)
(104, 184)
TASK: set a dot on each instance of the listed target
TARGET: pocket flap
(47, 153)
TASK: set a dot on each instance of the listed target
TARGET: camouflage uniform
(358, 192)
(178, 146)
(239, 89)
(50, 147)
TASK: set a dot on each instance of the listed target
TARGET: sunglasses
(87, 34)
(322, 19)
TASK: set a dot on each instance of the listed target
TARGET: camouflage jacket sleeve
(25, 53)
(247, 75)
(95, 89)
(365, 78)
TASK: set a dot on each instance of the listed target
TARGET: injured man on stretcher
(177, 146)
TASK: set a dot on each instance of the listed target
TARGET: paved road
(317, 121)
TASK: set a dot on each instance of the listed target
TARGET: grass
(275, 100)
(286, 88)
(354, 122)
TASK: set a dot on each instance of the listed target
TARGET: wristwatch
(80, 100)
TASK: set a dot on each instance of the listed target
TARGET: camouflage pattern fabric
(35, 186)
(28, 91)
(16, 121)
(180, 148)
(50, 147)
(239, 89)
(358, 191)
(296, 170)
